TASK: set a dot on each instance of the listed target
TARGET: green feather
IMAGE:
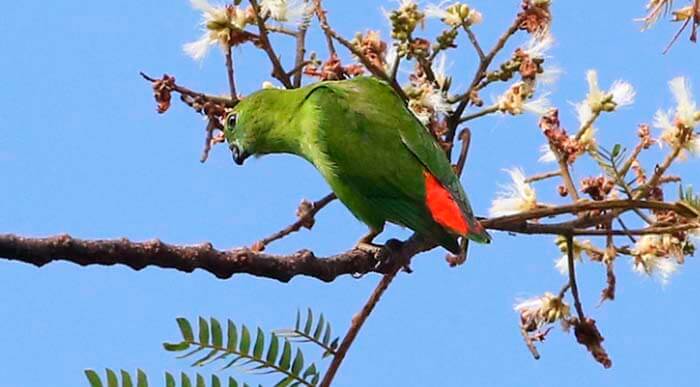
(367, 145)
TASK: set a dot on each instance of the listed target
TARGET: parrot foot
(461, 258)
(385, 254)
(379, 252)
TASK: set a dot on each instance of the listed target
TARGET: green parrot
(380, 161)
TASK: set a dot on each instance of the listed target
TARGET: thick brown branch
(221, 263)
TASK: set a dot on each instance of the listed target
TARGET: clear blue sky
(82, 151)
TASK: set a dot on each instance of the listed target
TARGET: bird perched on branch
(380, 161)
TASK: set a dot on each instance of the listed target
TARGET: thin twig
(480, 73)
(229, 73)
(530, 344)
(277, 69)
(323, 20)
(572, 277)
(466, 136)
(299, 62)
(542, 176)
(587, 125)
(475, 42)
(225, 101)
(357, 321)
(481, 113)
(566, 176)
(305, 220)
(376, 71)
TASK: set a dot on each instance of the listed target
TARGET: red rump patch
(443, 208)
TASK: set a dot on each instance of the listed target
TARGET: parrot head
(236, 138)
(256, 127)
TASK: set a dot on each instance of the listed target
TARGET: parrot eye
(231, 121)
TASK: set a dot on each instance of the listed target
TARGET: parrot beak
(238, 156)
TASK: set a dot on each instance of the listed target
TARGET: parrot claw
(380, 253)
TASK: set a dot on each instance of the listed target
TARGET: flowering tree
(623, 206)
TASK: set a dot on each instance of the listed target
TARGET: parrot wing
(424, 147)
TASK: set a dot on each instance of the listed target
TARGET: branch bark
(226, 263)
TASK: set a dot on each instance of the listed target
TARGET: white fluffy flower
(440, 70)
(538, 45)
(620, 94)
(686, 109)
(430, 101)
(217, 22)
(390, 59)
(536, 312)
(454, 14)
(439, 11)
(517, 197)
(517, 99)
(539, 106)
(287, 11)
(652, 256)
(437, 101)
(685, 116)
(549, 75)
(546, 154)
(583, 112)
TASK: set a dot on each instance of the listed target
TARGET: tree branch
(277, 69)
(226, 263)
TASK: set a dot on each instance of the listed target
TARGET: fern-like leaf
(125, 379)
(690, 199)
(242, 352)
(306, 331)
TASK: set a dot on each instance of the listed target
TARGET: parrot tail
(447, 212)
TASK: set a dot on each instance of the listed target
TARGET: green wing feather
(417, 139)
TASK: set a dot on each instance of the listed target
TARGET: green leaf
(315, 379)
(215, 381)
(141, 379)
(298, 362)
(319, 328)
(232, 362)
(327, 335)
(259, 344)
(203, 331)
(185, 380)
(232, 382)
(245, 340)
(297, 324)
(169, 380)
(112, 379)
(232, 336)
(93, 378)
(616, 151)
(126, 379)
(286, 359)
(216, 334)
(190, 353)
(200, 381)
(285, 382)
(273, 349)
(185, 329)
(309, 321)
(310, 371)
(206, 358)
(176, 347)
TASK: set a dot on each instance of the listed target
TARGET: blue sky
(82, 151)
